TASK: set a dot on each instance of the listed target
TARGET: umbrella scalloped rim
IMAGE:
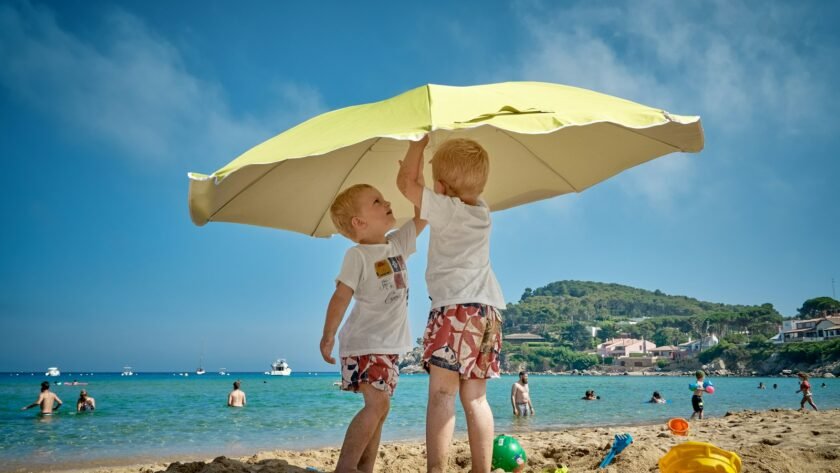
(668, 118)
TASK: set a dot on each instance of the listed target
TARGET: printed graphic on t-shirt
(397, 263)
(391, 274)
(394, 296)
(383, 268)
(399, 281)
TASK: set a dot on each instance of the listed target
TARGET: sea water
(165, 415)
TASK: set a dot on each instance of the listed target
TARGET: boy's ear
(357, 222)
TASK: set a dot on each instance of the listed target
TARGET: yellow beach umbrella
(543, 140)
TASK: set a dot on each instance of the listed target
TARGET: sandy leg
(440, 416)
(363, 431)
(479, 423)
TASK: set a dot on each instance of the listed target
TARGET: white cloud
(662, 181)
(131, 90)
(737, 66)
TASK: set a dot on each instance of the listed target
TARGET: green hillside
(564, 313)
(562, 310)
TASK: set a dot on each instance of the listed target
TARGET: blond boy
(374, 273)
(462, 340)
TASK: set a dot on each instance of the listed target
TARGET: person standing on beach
(236, 398)
(462, 341)
(697, 397)
(520, 396)
(47, 400)
(374, 273)
(805, 389)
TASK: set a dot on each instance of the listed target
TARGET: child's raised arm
(410, 177)
(335, 312)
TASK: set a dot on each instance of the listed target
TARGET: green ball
(508, 454)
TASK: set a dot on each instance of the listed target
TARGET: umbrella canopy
(543, 140)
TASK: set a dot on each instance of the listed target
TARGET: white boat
(223, 372)
(52, 371)
(127, 371)
(280, 368)
(200, 370)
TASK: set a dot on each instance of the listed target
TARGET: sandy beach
(774, 441)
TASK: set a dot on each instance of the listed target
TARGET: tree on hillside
(578, 336)
(607, 332)
(644, 329)
(813, 307)
(669, 336)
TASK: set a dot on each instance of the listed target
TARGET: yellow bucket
(699, 457)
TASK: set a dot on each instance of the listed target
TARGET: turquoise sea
(163, 415)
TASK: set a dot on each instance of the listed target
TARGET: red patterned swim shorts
(380, 371)
(466, 338)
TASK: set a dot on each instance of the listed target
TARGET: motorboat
(52, 371)
(200, 371)
(280, 368)
(223, 372)
(127, 371)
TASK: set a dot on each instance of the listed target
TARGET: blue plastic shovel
(621, 442)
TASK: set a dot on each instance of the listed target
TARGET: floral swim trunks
(466, 338)
(380, 371)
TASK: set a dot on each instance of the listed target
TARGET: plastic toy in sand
(621, 442)
(699, 457)
(678, 426)
(508, 454)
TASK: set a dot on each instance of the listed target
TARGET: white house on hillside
(624, 346)
(696, 346)
(810, 330)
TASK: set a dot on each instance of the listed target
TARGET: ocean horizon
(154, 416)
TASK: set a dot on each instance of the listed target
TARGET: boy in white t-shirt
(376, 332)
(463, 339)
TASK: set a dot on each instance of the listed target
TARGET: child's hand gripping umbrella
(621, 442)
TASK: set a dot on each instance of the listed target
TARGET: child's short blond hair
(463, 165)
(345, 207)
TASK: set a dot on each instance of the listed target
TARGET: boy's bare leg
(479, 423)
(440, 416)
(369, 455)
(363, 428)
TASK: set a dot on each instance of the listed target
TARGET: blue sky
(105, 107)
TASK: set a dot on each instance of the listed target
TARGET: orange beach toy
(678, 426)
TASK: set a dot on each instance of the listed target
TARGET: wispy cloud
(738, 67)
(131, 89)
(727, 60)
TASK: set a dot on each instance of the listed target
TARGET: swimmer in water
(85, 402)
(47, 400)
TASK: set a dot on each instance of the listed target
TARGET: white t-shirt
(378, 275)
(459, 269)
